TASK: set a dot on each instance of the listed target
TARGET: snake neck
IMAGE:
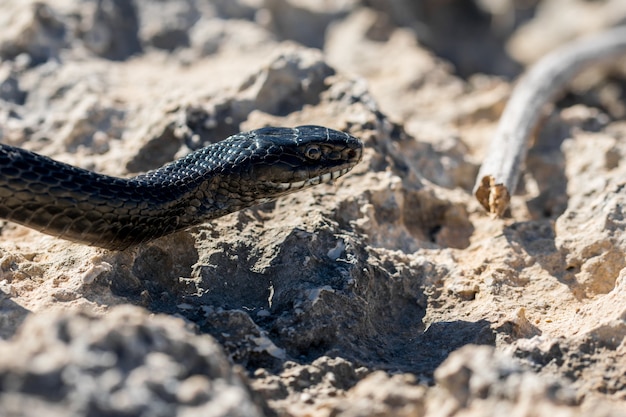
(114, 213)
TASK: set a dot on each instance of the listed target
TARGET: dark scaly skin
(115, 213)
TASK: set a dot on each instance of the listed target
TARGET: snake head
(288, 160)
(256, 167)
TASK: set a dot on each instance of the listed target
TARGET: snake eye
(313, 152)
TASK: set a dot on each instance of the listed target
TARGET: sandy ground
(388, 293)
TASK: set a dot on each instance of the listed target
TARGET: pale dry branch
(500, 171)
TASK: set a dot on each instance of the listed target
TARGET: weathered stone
(356, 298)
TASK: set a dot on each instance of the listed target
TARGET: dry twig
(500, 170)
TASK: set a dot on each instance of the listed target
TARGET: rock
(165, 24)
(356, 298)
(126, 362)
(480, 375)
(9, 87)
(380, 395)
(109, 29)
(32, 28)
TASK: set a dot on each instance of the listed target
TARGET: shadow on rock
(150, 275)
(442, 338)
(322, 294)
(11, 316)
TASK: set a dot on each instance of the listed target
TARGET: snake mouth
(298, 185)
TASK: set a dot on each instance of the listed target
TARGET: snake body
(114, 213)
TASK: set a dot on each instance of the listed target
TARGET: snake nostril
(351, 153)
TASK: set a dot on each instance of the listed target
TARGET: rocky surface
(127, 362)
(389, 292)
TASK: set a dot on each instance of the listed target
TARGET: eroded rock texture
(387, 293)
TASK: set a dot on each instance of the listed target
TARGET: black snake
(114, 213)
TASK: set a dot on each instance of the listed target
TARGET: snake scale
(115, 213)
